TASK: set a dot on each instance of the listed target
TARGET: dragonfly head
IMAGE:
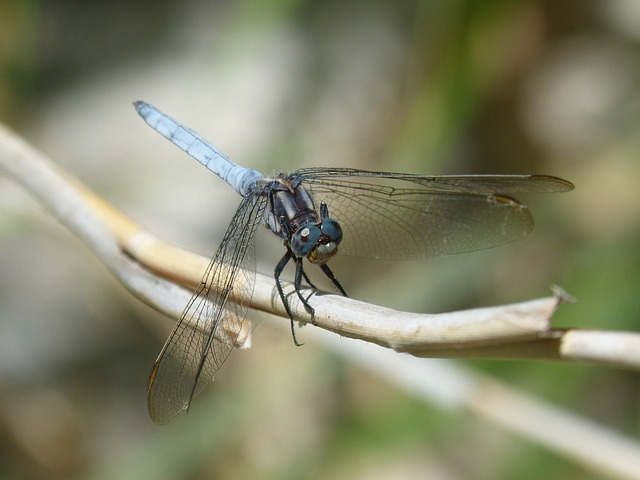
(317, 242)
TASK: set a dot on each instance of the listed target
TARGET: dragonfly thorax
(291, 214)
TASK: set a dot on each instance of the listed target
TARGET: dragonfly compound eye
(304, 239)
(327, 246)
(332, 230)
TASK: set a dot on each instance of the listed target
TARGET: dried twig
(157, 273)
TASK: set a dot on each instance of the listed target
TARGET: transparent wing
(404, 216)
(210, 324)
(489, 184)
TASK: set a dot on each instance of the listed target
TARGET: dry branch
(157, 273)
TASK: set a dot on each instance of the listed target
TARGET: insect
(318, 212)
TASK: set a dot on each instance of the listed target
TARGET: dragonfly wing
(403, 216)
(489, 184)
(212, 320)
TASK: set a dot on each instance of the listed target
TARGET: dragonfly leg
(276, 275)
(297, 284)
(327, 271)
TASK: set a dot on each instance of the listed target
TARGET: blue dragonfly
(318, 212)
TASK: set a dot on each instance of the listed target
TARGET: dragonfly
(318, 212)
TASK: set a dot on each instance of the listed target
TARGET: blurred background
(410, 86)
